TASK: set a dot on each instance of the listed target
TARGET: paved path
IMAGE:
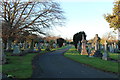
(55, 65)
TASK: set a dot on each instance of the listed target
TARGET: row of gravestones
(97, 49)
(17, 49)
(38, 46)
(113, 48)
(27, 45)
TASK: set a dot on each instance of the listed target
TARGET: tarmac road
(55, 65)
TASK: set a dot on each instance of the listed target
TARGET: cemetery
(93, 54)
(29, 50)
(93, 61)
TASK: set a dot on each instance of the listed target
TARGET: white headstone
(110, 48)
(105, 55)
(7, 46)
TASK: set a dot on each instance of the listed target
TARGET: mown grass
(20, 66)
(58, 48)
(93, 61)
(115, 56)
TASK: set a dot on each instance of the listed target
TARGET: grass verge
(115, 56)
(19, 66)
(93, 61)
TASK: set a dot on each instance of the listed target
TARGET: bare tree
(109, 37)
(31, 16)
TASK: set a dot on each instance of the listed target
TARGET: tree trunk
(32, 45)
(9, 41)
(2, 55)
(119, 38)
(5, 45)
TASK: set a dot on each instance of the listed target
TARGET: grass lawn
(115, 56)
(58, 48)
(20, 66)
(93, 61)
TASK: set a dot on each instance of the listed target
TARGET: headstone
(117, 47)
(113, 48)
(96, 42)
(42, 45)
(83, 51)
(79, 47)
(7, 47)
(39, 46)
(110, 48)
(54, 45)
(97, 52)
(16, 50)
(105, 55)
(20, 44)
(25, 45)
(36, 47)
(12, 46)
(64, 44)
(101, 47)
(47, 47)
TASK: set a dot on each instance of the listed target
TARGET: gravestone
(36, 45)
(105, 55)
(12, 46)
(16, 50)
(47, 47)
(20, 44)
(25, 45)
(83, 51)
(96, 42)
(39, 46)
(79, 47)
(7, 47)
(42, 45)
(54, 45)
(101, 47)
(115, 47)
(110, 48)
(97, 52)
(89, 51)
